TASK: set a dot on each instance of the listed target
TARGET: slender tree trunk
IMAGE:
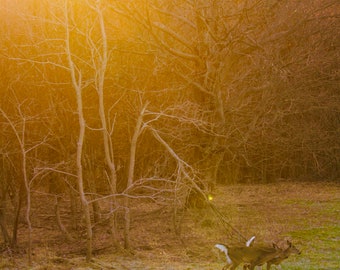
(28, 206)
(77, 85)
(81, 189)
(16, 217)
(58, 219)
(95, 203)
(3, 223)
(73, 208)
(138, 130)
(109, 156)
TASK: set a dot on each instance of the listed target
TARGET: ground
(307, 213)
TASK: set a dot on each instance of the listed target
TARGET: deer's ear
(289, 243)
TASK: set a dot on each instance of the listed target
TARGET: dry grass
(307, 213)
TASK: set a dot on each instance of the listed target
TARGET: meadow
(306, 213)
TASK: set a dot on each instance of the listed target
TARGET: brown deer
(291, 249)
(253, 256)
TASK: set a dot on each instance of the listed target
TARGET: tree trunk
(109, 157)
(28, 206)
(58, 219)
(16, 217)
(76, 78)
(81, 188)
(3, 223)
(133, 147)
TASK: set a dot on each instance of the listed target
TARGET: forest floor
(307, 213)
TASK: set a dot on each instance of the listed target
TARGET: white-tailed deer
(249, 243)
(291, 249)
(253, 256)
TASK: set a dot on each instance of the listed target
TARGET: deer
(291, 249)
(249, 243)
(254, 256)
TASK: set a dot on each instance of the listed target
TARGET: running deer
(291, 249)
(253, 256)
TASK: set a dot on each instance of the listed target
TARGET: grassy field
(306, 213)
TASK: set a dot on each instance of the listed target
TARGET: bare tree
(19, 128)
(100, 55)
(138, 130)
(77, 84)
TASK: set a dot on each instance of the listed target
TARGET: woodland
(108, 102)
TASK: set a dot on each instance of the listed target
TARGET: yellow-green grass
(306, 213)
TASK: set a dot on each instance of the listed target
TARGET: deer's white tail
(250, 241)
(224, 249)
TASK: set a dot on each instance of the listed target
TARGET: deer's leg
(234, 266)
(245, 266)
(252, 266)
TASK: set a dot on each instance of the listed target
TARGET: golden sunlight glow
(119, 117)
